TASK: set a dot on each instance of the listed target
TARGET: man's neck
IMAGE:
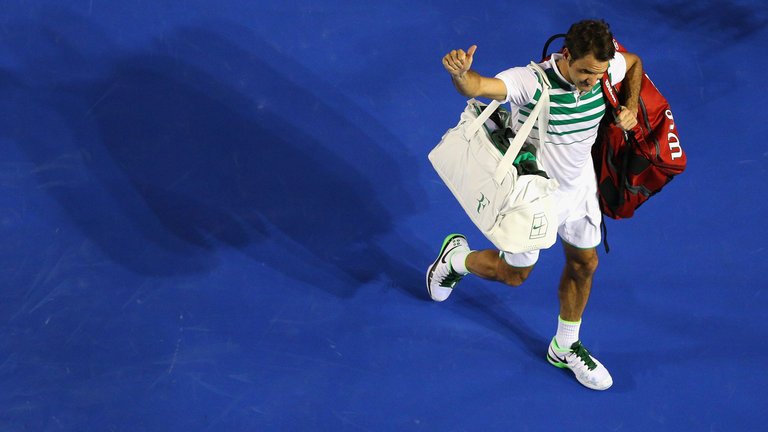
(562, 66)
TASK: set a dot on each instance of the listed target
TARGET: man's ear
(567, 54)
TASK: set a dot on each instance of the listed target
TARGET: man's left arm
(630, 90)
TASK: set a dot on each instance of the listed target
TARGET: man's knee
(512, 276)
(582, 264)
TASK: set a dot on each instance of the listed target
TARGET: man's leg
(490, 264)
(565, 350)
(576, 281)
(456, 259)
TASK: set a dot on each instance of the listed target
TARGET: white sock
(567, 333)
(459, 261)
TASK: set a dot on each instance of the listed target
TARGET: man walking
(576, 109)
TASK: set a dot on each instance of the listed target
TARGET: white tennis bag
(516, 213)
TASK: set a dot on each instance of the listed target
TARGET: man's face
(584, 72)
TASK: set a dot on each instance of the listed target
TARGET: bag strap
(472, 129)
(514, 148)
(545, 51)
(609, 91)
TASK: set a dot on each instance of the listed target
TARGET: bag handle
(472, 129)
(545, 51)
(517, 143)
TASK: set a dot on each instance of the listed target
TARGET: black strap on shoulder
(549, 42)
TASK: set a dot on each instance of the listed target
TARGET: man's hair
(590, 36)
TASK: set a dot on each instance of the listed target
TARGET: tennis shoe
(589, 372)
(441, 277)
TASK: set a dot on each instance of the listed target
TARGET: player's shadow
(163, 155)
(486, 308)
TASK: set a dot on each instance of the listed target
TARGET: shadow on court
(163, 155)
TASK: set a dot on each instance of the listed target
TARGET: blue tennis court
(216, 216)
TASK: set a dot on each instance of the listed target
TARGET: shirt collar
(553, 64)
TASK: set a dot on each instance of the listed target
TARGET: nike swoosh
(445, 254)
(555, 357)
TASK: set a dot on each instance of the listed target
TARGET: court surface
(216, 216)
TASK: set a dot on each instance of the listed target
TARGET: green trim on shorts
(580, 248)
(501, 255)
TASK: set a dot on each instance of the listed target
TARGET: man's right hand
(458, 62)
(468, 82)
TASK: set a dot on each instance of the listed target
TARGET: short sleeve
(521, 83)
(617, 68)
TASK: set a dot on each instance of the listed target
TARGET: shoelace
(583, 354)
(451, 279)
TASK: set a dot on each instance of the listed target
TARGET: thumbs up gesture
(458, 62)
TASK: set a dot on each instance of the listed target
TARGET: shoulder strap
(613, 100)
(514, 148)
(545, 51)
(609, 91)
(472, 129)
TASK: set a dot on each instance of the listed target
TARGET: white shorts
(578, 223)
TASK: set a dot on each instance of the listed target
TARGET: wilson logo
(672, 140)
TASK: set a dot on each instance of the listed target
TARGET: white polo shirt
(573, 119)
